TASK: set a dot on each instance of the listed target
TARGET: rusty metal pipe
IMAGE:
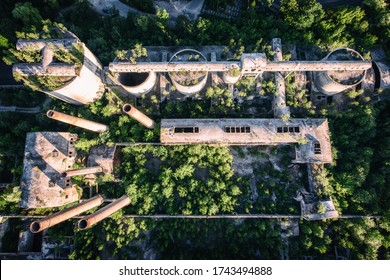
(104, 212)
(139, 116)
(82, 171)
(66, 214)
(83, 123)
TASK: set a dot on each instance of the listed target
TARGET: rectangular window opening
(237, 129)
(317, 148)
(187, 129)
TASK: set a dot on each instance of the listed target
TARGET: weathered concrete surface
(47, 155)
(222, 66)
(306, 132)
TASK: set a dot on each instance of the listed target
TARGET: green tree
(28, 14)
(301, 14)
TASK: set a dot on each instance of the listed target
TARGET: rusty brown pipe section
(66, 214)
(82, 171)
(103, 213)
(83, 123)
(139, 116)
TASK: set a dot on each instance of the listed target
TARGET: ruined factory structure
(176, 74)
(78, 81)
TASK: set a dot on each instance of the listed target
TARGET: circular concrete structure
(332, 82)
(78, 83)
(382, 73)
(232, 76)
(187, 82)
(137, 83)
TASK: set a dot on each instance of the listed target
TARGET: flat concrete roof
(47, 155)
(312, 135)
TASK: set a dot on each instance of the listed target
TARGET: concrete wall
(86, 87)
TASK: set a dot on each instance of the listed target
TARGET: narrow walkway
(245, 216)
(33, 110)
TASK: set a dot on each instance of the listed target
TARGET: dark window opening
(237, 129)
(317, 148)
(290, 129)
(187, 129)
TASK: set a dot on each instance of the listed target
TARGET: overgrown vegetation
(198, 179)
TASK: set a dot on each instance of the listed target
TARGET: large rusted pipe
(66, 214)
(138, 115)
(83, 123)
(103, 213)
(82, 171)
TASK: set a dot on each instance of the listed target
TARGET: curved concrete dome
(332, 82)
(188, 83)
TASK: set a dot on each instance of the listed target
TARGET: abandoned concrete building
(312, 135)
(47, 168)
(188, 71)
(79, 84)
(49, 156)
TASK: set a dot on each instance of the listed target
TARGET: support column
(104, 212)
(66, 214)
(83, 123)
(139, 116)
